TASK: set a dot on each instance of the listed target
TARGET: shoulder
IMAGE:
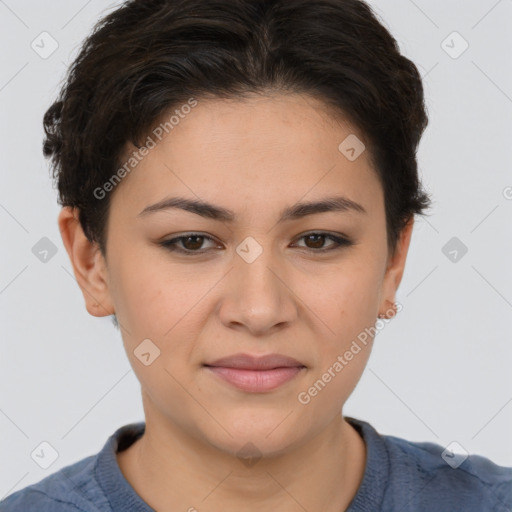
(34, 500)
(425, 476)
(434, 474)
(68, 489)
(85, 486)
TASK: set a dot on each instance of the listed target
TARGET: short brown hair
(149, 56)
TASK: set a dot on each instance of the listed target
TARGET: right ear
(89, 266)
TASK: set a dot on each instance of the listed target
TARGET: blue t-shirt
(399, 475)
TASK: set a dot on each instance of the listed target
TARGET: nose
(258, 294)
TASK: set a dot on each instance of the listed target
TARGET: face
(253, 282)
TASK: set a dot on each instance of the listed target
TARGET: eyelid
(339, 240)
(172, 242)
(334, 234)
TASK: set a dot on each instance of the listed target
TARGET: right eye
(190, 243)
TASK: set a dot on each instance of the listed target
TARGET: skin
(254, 157)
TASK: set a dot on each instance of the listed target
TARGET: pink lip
(256, 374)
(256, 381)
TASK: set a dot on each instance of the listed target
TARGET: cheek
(344, 299)
(345, 302)
(151, 296)
(328, 388)
(162, 303)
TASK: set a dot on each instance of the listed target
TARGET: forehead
(259, 150)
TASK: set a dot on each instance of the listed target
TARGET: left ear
(395, 268)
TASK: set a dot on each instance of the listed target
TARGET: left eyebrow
(297, 211)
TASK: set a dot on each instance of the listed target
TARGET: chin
(253, 448)
(256, 437)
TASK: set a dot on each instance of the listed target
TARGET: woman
(239, 184)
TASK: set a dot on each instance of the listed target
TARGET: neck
(172, 470)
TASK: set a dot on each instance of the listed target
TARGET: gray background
(440, 371)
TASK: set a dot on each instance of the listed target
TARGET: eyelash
(171, 245)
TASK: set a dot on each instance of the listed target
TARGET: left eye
(319, 238)
(191, 243)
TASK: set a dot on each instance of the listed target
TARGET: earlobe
(88, 264)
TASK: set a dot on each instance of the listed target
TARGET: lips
(255, 374)
(248, 362)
